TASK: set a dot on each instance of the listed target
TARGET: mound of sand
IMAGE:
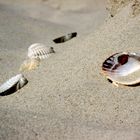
(114, 6)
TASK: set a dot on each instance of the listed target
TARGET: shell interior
(123, 68)
(13, 84)
(65, 38)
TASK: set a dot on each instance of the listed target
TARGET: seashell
(122, 68)
(65, 38)
(13, 84)
(40, 51)
(30, 64)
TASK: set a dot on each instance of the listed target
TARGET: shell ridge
(39, 50)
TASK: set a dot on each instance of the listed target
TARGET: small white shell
(40, 51)
(122, 68)
(29, 64)
(13, 84)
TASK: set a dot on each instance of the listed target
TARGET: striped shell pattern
(40, 51)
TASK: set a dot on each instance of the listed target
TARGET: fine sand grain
(67, 98)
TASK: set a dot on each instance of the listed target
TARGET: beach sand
(67, 97)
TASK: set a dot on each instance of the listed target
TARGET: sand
(67, 97)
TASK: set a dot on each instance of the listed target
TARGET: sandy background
(67, 98)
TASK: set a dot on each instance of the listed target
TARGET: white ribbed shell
(19, 81)
(40, 51)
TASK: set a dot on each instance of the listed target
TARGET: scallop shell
(30, 64)
(122, 68)
(65, 38)
(40, 51)
(13, 84)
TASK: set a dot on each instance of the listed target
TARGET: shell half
(65, 38)
(40, 51)
(122, 68)
(13, 84)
